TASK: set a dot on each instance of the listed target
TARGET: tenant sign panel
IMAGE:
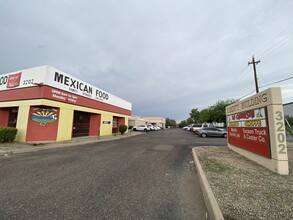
(256, 129)
(249, 130)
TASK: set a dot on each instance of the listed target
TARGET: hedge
(122, 129)
(7, 134)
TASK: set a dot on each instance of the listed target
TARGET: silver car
(213, 132)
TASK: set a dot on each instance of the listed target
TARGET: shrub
(130, 127)
(7, 134)
(122, 129)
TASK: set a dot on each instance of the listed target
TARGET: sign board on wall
(250, 127)
(47, 75)
(256, 129)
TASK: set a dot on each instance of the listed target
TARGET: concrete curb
(210, 200)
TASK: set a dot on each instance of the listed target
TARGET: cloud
(166, 57)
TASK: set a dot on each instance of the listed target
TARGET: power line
(261, 76)
(281, 70)
(278, 45)
(271, 41)
(282, 80)
(238, 75)
(247, 94)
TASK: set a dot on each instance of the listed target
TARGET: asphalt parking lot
(150, 176)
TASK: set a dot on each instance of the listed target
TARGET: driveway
(148, 176)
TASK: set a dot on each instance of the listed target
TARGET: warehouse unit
(288, 109)
(46, 104)
(138, 120)
(159, 121)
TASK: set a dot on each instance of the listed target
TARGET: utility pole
(254, 69)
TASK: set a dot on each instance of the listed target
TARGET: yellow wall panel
(21, 125)
(106, 129)
(65, 124)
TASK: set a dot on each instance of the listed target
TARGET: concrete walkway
(18, 147)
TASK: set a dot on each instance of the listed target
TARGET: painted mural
(44, 116)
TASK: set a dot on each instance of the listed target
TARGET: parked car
(187, 128)
(141, 128)
(196, 127)
(209, 131)
(157, 128)
(151, 127)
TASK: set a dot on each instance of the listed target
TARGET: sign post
(256, 130)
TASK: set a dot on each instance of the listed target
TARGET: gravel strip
(244, 189)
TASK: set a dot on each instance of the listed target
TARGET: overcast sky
(165, 57)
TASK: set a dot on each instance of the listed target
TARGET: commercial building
(46, 104)
(159, 121)
(288, 109)
(138, 120)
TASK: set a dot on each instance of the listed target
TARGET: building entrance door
(8, 117)
(12, 119)
(81, 124)
(115, 125)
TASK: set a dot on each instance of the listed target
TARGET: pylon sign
(256, 130)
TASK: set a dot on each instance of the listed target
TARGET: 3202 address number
(280, 132)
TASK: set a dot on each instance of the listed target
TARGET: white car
(151, 127)
(141, 128)
(187, 128)
(157, 128)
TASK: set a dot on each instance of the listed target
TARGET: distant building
(159, 121)
(288, 109)
(138, 120)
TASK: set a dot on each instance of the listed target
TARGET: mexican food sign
(256, 129)
(64, 87)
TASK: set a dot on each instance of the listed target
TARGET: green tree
(205, 116)
(189, 121)
(183, 124)
(170, 122)
(194, 115)
(218, 110)
(214, 113)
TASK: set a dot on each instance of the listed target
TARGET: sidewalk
(19, 147)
